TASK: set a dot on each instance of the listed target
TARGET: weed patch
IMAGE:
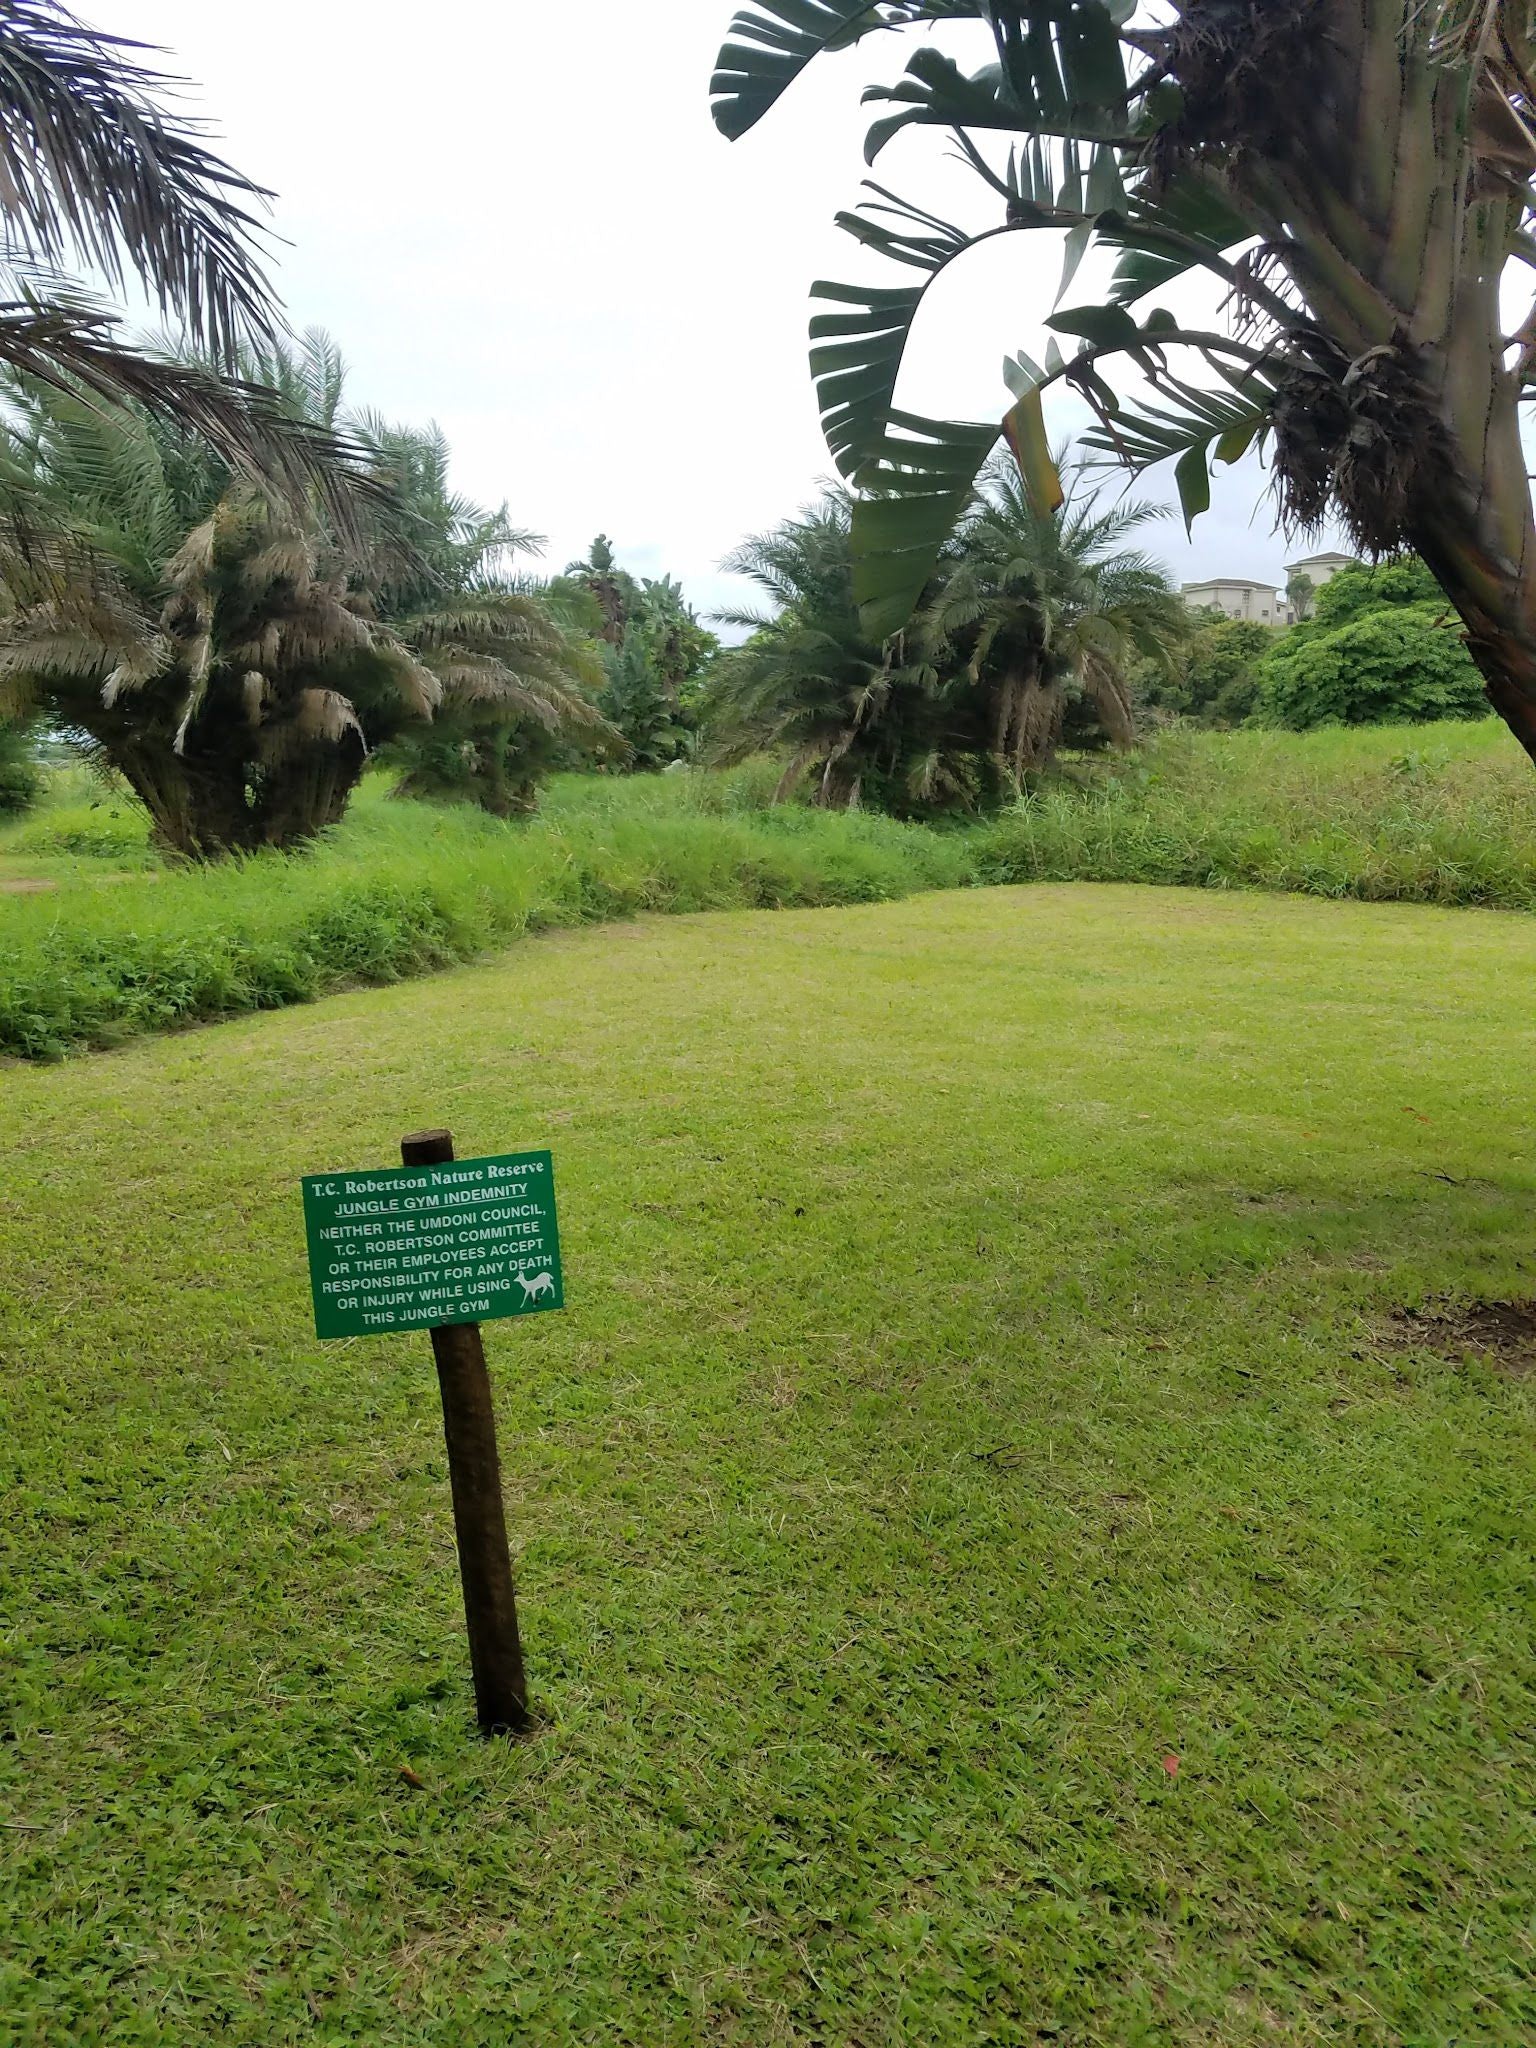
(1500, 1332)
(113, 945)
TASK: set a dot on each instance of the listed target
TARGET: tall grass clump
(79, 814)
(401, 888)
(1411, 814)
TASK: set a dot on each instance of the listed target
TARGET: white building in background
(1321, 568)
(1234, 596)
(1260, 604)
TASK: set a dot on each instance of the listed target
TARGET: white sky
(518, 219)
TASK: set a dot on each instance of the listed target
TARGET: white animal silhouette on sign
(541, 1283)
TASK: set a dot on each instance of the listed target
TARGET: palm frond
(95, 170)
(771, 44)
(70, 342)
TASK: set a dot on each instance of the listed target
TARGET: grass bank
(1401, 814)
(988, 1573)
(102, 943)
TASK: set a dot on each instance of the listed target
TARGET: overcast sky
(518, 219)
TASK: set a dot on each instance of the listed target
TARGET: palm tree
(216, 647)
(232, 654)
(515, 669)
(96, 170)
(1027, 614)
(1040, 607)
(808, 682)
(614, 590)
(1357, 177)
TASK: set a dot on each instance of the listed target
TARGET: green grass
(972, 1394)
(101, 942)
(92, 958)
(1414, 814)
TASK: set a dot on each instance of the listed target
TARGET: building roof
(1332, 560)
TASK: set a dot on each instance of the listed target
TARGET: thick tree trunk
(1478, 536)
(199, 809)
(1401, 247)
(1493, 601)
(205, 804)
(306, 793)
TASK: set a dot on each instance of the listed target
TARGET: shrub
(1381, 647)
(1217, 676)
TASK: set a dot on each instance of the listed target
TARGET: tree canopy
(1027, 634)
(1215, 678)
(656, 651)
(1381, 645)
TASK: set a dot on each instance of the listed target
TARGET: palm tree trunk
(1013, 727)
(198, 808)
(305, 794)
(1006, 698)
(1479, 538)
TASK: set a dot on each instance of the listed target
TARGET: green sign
(404, 1247)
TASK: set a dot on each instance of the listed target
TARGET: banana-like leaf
(858, 346)
(1193, 478)
(771, 43)
(1021, 373)
(1100, 326)
(856, 376)
(1105, 190)
(913, 496)
(857, 349)
(1057, 52)
(1188, 225)
(1025, 428)
(1228, 422)
(1072, 83)
(1234, 444)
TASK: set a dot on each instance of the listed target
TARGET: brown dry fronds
(1361, 438)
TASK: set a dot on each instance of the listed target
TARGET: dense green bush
(1215, 678)
(1382, 646)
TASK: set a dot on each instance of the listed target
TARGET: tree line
(1379, 644)
(238, 654)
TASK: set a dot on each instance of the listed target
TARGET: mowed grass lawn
(988, 1572)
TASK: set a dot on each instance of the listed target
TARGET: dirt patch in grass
(1502, 1332)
